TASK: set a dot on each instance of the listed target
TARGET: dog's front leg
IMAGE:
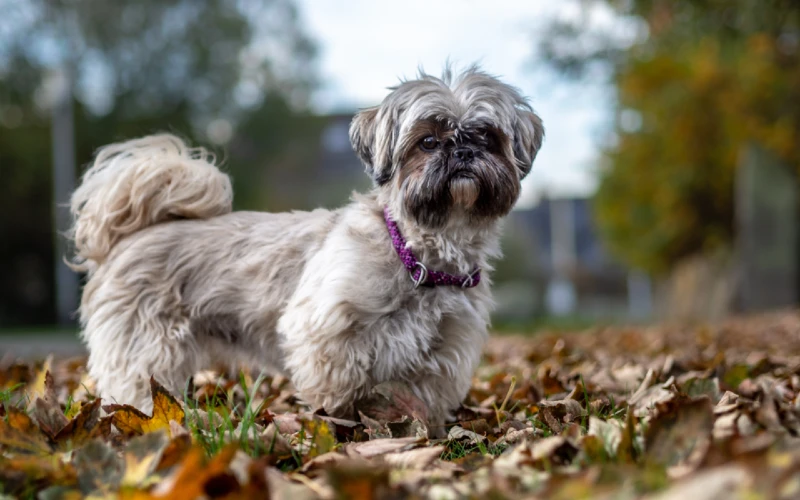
(326, 358)
(327, 366)
(445, 380)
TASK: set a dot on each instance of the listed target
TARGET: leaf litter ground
(673, 412)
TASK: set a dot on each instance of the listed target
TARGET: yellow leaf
(165, 408)
(73, 410)
(19, 420)
(322, 437)
(142, 457)
(19, 433)
(132, 422)
(38, 386)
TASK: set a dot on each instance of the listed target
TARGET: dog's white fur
(178, 282)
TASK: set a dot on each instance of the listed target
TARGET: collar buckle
(423, 274)
(469, 279)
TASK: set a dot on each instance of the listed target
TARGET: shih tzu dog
(392, 287)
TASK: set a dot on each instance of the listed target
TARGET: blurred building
(569, 272)
(338, 170)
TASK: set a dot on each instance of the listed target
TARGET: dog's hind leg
(130, 339)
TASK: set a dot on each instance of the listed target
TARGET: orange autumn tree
(699, 82)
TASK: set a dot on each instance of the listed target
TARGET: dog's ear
(372, 145)
(528, 137)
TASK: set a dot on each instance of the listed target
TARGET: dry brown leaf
(457, 433)
(17, 473)
(86, 425)
(19, 433)
(382, 446)
(325, 461)
(375, 429)
(407, 427)
(679, 435)
(287, 423)
(194, 473)
(275, 442)
(282, 488)
(418, 458)
(721, 483)
(47, 411)
(609, 433)
(514, 436)
(175, 451)
(391, 401)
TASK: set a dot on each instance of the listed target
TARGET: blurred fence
(761, 272)
(768, 227)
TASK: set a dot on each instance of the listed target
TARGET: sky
(368, 45)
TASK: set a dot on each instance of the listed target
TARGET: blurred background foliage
(696, 81)
(202, 68)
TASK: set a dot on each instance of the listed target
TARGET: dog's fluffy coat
(177, 282)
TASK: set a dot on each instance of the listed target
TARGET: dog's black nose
(464, 154)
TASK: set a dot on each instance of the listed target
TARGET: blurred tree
(695, 82)
(197, 68)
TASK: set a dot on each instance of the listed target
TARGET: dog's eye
(429, 143)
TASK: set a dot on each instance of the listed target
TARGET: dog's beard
(464, 191)
(434, 189)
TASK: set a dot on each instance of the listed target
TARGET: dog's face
(450, 145)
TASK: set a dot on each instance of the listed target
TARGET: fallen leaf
(679, 435)
(73, 410)
(646, 398)
(47, 411)
(563, 410)
(359, 481)
(321, 436)
(609, 433)
(142, 456)
(375, 429)
(514, 436)
(282, 488)
(626, 451)
(418, 458)
(175, 451)
(287, 423)
(132, 422)
(377, 447)
(19, 433)
(86, 425)
(99, 468)
(551, 421)
(720, 483)
(275, 442)
(194, 474)
(324, 461)
(407, 427)
(391, 401)
(19, 472)
(457, 433)
(38, 386)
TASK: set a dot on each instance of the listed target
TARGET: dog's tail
(139, 183)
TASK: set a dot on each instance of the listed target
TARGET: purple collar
(420, 274)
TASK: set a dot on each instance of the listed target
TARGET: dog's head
(451, 144)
